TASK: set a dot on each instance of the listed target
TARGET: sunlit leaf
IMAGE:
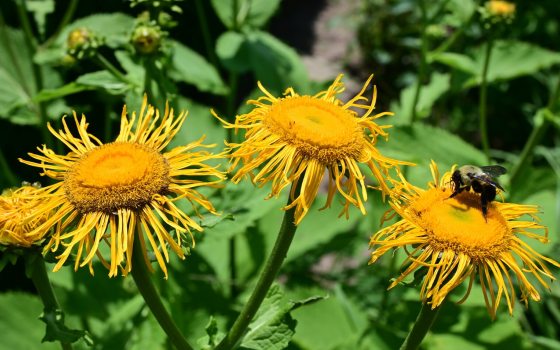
(252, 13)
(190, 67)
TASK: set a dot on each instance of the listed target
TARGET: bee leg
(484, 204)
(457, 191)
(487, 195)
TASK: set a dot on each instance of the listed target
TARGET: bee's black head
(456, 179)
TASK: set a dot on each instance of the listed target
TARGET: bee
(481, 179)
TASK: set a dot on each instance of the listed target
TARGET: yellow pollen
(317, 128)
(116, 175)
(458, 224)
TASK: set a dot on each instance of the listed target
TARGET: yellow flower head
(500, 8)
(18, 209)
(114, 192)
(299, 139)
(452, 240)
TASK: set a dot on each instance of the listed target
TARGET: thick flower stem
(423, 323)
(146, 287)
(40, 278)
(267, 276)
(536, 136)
(482, 101)
(423, 64)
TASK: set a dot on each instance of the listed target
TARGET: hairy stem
(423, 323)
(482, 101)
(267, 276)
(40, 278)
(144, 283)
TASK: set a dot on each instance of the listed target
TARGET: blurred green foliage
(428, 59)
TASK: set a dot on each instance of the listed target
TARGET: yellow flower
(500, 8)
(114, 192)
(18, 217)
(299, 139)
(452, 240)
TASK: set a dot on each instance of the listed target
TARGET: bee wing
(487, 179)
(494, 170)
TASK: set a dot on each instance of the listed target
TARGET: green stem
(267, 276)
(423, 64)
(37, 74)
(482, 101)
(40, 278)
(536, 136)
(7, 171)
(104, 63)
(144, 283)
(423, 323)
(206, 37)
(68, 14)
(235, 13)
(454, 37)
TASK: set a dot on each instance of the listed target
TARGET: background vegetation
(428, 59)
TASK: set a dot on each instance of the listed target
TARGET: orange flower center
(317, 128)
(458, 224)
(116, 175)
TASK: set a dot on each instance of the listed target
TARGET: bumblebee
(481, 179)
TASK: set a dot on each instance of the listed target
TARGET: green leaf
(421, 143)
(65, 90)
(212, 337)
(105, 80)
(274, 63)
(429, 94)
(231, 51)
(113, 28)
(58, 331)
(200, 122)
(19, 326)
(273, 327)
(17, 84)
(460, 11)
(456, 61)
(189, 67)
(509, 59)
(40, 10)
(327, 325)
(251, 13)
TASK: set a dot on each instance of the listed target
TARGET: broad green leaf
(250, 13)
(230, 48)
(421, 143)
(189, 67)
(212, 337)
(247, 205)
(40, 10)
(105, 80)
(326, 325)
(545, 343)
(456, 61)
(65, 90)
(57, 330)
(460, 11)
(134, 70)
(509, 59)
(429, 94)
(273, 327)
(274, 63)
(20, 326)
(17, 84)
(147, 335)
(113, 28)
